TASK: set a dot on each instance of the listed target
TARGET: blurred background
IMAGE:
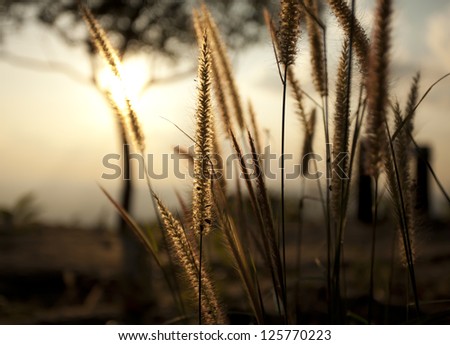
(57, 126)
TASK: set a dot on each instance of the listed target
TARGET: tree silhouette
(160, 26)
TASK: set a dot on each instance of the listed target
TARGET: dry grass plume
(202, 193)
(377, 86)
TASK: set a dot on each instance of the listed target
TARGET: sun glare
(133, 73)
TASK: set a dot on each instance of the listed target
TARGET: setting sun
(130, 86)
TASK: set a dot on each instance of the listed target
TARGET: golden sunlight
(134, 73)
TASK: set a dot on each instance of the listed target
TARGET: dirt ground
(57, 275)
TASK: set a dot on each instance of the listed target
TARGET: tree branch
(48, 66)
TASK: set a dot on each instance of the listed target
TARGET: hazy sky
(56, 131)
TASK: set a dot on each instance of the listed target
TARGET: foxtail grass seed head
(119, 116)
(105, 49)
(403, 154)
(412, 101)
(405, 216)
(100, 39)
(377, 85)
(274, 37)
(220, 96)
(288, 31)
(413, 245)
(342, 112)
(272, 31)
(346, 19)
(223, 69)
(188, 258)
(261, 195)
(219, 178)
(402, 144)
(135, 126)
(298, 97)
(401, 148)
(202, 194)
(218, 80)
(308, 142)
(316, 47)
(341, 129)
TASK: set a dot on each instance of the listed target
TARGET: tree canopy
(157, 25)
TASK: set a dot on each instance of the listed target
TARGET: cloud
(438, 37)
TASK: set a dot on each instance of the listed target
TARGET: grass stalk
(283, 206)
(288, 35)
(271, 252)
(341, 140)
(320, 78)
(200, 284)
(372, 252)
(247, 271)
(140, 235)
(399, 200)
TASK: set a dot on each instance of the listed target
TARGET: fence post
(423, 154)
(364, 186)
